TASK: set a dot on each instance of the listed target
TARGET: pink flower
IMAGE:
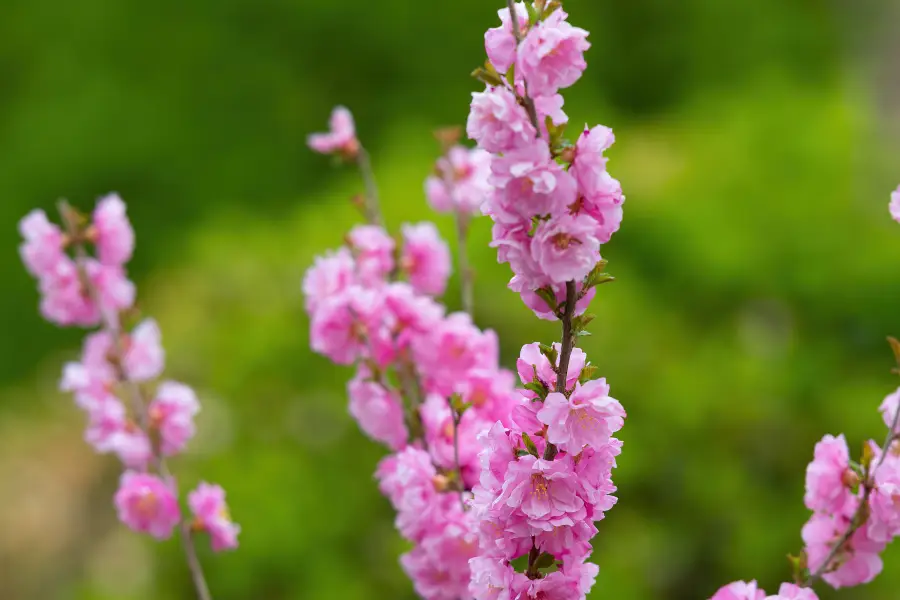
(374, 252)
(350, 325)
(514, 247)
(884, 502)
(341, 138)
(740, 590)
(439, 566)
(497, 122)
(590, 164)
(412, 313)
(106, 420)
(451, 349)
(490, 392)
(462, 181)
(858, 562)
(425, 258)
(114, 291)
(552, 55)
(500, 43)
(789, 591)
(542, 490)
(378, 411)
(565, 247)
(330, 275)
(91, 380)
(114, 236)
(594, 469)
(895, 205)
(497, 452)
(42, 249)
(828, 476)
(172, 414)
(531, 359)
(494, 579)
(889, 409)
(64, 301)
(131, 445)
(529, 183)
(586, 418)
(144, 354)
(207, 504)
(560, 585)
(148, 505)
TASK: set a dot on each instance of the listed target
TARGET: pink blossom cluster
(545, 480)
(129, 412)
(426, 384)
(340, 139)
(836, 488)
(553, 204)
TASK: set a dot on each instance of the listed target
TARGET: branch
(466, 279)
(110, 323)
(371, 207)
(529, 103)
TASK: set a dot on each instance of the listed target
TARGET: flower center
(540, 487)
(147, 504)
(563, 240)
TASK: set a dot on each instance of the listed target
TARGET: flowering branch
(92, 291)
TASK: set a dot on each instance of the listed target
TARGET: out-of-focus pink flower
(378, 411)
(789, 591)
(172, 415)
(148, 505)
(330, 275)
(144, 354)
(374, 252)
(461, 184)
(207, 504)
(895, 205)
(114, 236)
(889, 409)
(740, 590)
(340, 139)
(42, 250)
(425, 258)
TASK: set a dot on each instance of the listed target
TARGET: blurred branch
(371, 206)
(112, 326)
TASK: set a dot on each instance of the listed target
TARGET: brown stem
(857, 520)
(111, 325)
(459, 478)
(371, 206)
(532, 571)
(529, 103)
(466, 282)
(565, 353)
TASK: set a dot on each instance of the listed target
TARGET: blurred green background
(756, 271)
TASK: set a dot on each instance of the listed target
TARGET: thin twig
(857, 520)
(466, 282)
(371, 206)
(529, 103)
(459, 478)
(111, 325)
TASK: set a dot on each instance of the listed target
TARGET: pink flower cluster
(835, 489)
(552, 204)
(341, 137)
(65, 299)
(545, 479)
(426, 384)
(118, 366)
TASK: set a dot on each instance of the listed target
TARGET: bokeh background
(756, 266)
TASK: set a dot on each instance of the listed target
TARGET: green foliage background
(756, 271)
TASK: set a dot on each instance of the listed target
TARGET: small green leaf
(520, 452)
(550, 352)
(533, 14)
(538, 388)
(529, 445)
(580, 322)
(488, 74)
(551, 8)
(587, 373)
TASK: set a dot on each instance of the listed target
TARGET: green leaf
(587, 373)
(529, 445)
(533, 15)
(557, 134)
(550, 352)
(580, 322)
(488, 75)
(520, 452)
(538, 388)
